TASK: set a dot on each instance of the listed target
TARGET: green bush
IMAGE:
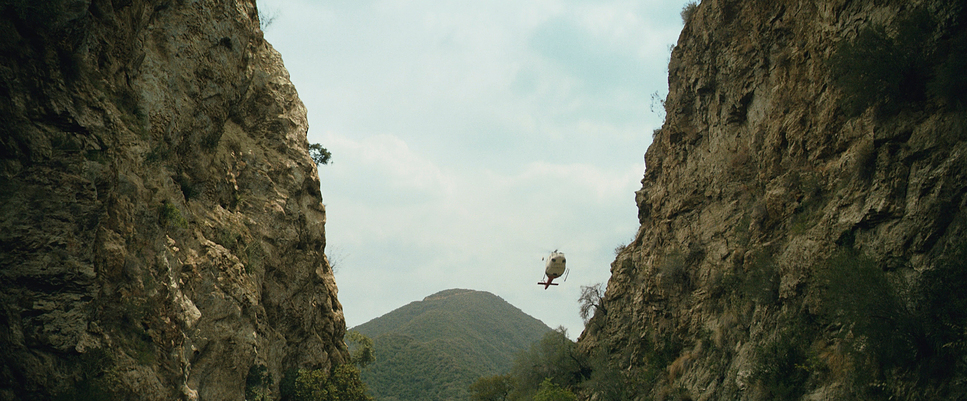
(341, 384)
(943, 317)
(552, 392)
(492, 388)
(210, 141)
(319, 154)
(756, 284)
(648, 370)
(950, 82)
(784, 364)
(673, 271)
(554, 357)
(188, 188)
(257, 383)
(169, 214)
(859, 297)
(157, 154)
(898, 335)
(88, 390)
(868, 69)
(95, 383)
(610, 383)
(360, 349)
(687, 13)
(894, 66)
(554, 368)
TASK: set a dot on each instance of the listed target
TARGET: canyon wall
(162, 227)
(802, 211)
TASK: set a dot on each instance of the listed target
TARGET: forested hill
(433, 349)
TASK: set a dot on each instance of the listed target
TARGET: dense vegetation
(434, 349)
(890, 66)
(546, 371)
(556, 369)
(342, 383)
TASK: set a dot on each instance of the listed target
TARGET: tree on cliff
(360, 349)
(319, 154)
(591, 301)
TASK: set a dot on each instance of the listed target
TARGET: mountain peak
(451, 292)
(441, 344)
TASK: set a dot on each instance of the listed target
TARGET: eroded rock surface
(758, 184)
(162, 227)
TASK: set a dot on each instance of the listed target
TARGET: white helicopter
(554, 267)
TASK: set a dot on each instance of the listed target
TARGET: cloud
(597, 64)
(486, 230)
(470, 139)
(388, 163)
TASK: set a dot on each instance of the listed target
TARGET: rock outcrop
(802, 232)
(162, 226)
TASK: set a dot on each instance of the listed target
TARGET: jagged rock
(162, 227)
(758, 178)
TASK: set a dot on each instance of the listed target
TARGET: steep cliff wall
(162, 228)
(802, 212)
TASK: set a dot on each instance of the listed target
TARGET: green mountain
(435, 348)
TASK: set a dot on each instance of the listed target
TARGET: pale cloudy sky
(471, 138)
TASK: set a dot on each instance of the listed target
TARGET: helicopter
(554, 267)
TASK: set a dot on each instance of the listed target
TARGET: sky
(470, 139)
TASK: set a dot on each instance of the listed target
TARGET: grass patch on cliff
(246, 249)
(688, 10)
(785, 362)
(811, 203)
(646, 370)
(673, 271)
(894, 66)
(895, 331)
(942, 313)
(860, 298)
(257, 383)
(170, 215)
(95, 383)
(757, 283)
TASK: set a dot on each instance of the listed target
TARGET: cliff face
(802, 231)
(162, 228)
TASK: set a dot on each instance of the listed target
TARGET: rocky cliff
(162, 227)
(803, 231)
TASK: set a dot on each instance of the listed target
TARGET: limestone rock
(162, 227)
(757, 180)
